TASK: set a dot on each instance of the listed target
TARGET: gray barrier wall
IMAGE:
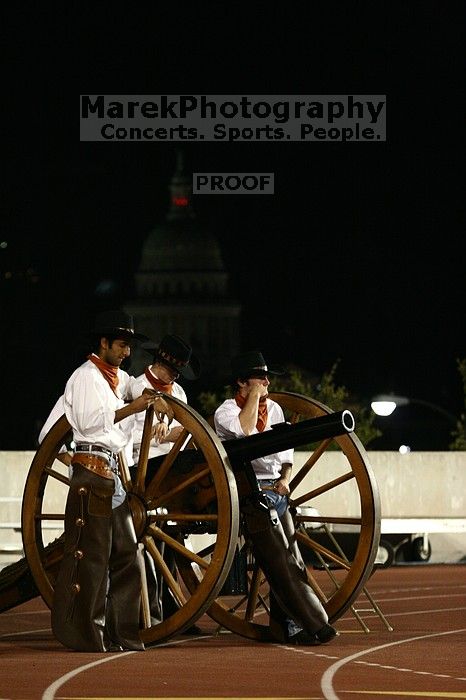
(429, 485)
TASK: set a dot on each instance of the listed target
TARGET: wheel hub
(139, 512)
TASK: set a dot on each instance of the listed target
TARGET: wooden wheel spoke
(315, 586)
(255, 584)
(162, 567)
(57, 475)
(307, 466)
(322, 489)
(49, 516)
(163, 470)
(179, 488)
(125, 475)
(253, 599)
(263, 603)
(303, 519)
(159, 534)
(183, 517)
(238, 605)
(144, 450)
(323, 551)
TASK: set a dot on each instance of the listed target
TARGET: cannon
(191, 505)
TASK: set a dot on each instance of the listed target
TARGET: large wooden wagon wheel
(193, 508)
(196, 495)
(337, 481)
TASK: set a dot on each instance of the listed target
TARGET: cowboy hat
(177, 354)
(252, 363)
(118, 324)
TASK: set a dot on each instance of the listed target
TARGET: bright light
(404, 449)
(383, 408)
(385, 404)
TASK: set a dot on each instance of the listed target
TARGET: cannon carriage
(191, 506)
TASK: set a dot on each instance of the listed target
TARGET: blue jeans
(274, 499)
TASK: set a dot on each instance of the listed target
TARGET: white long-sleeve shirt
(228, 426)
(57, 412)
(136, 387)
(89, 405)
(76, 386)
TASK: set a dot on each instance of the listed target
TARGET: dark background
(359, 255)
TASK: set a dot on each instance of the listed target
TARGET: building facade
(182, 287)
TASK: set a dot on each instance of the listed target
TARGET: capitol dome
(182, 286)
(180, 257)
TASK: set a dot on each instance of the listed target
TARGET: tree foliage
(325, 390)
(459, 433)
(337, 397)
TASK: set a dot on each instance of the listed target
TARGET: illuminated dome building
(182, 287)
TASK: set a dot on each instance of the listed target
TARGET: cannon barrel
(284, 436)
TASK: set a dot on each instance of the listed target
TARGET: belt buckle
(86, 447)
(100, 448)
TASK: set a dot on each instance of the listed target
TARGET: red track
(423, 657)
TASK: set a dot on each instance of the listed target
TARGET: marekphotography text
(231, 118)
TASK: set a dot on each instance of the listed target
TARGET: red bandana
(109, 371)
(262, 413)
(157, 384)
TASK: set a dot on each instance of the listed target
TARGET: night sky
(358, 257)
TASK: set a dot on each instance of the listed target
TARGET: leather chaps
(277, 553)
(97, 593)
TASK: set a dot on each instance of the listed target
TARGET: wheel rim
(165, 509)
(247, 615)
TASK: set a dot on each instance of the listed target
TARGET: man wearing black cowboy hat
(172, 357)
(296, 614)
(96, 602)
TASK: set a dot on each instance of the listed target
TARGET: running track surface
(424, 656)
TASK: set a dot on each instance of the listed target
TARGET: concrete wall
(428, 484)
(14, 468)
(419, 484)
(416, 485)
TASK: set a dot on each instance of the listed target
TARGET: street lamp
(385, 404)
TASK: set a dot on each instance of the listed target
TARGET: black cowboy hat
(177, 354)
(118, 324)
(252, 363)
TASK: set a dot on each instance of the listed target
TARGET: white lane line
(25, 612)
(411, 670)
(326, 683)
(49, 693)
(24, 633)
